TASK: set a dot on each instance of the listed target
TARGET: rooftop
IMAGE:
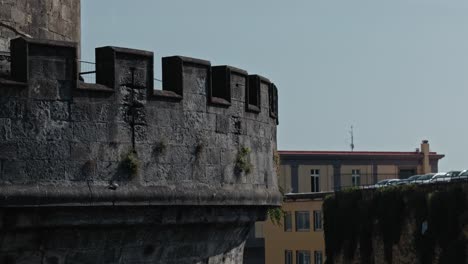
(351, 153)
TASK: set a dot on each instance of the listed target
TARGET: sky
(394, 70)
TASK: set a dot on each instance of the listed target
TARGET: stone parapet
(189, 137)
(117, 172)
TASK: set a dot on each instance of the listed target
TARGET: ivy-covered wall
(404, 224)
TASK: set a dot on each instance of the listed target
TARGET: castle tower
(117, 172)
(43, 19)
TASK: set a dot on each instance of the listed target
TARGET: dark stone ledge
(165, 95)
(11, 83)
(128, 215)
(194, 61)
(93, 195)
(94, 87)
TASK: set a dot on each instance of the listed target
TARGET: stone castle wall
(195, 159)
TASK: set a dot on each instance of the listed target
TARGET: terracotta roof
(352, 153)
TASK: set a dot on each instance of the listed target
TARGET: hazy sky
(397, 70)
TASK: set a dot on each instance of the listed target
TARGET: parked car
(426, 178)
(441, 177)
(395, 182)
(453, 173)
(409, 180)
(463, 176)
(380, 183)
(386, 182)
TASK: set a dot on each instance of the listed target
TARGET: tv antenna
(351, 132)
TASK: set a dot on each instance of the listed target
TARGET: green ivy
(276, 215)
(355, 217)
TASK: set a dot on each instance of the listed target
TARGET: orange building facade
(306, 177)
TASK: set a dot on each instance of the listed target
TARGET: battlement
(35, 61)
(210, 129)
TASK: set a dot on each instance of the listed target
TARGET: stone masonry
(44, 19)
(116, 172)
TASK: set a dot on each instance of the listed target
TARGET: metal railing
(88, 74)
(88, 71)
(454, 180)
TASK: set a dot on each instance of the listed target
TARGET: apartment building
(318, 171)
(306, 177)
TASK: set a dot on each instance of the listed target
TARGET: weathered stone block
(81, 112)
(57, 150)
(113, 151)
(60, 111)
(8, 151)
(110, 171)
(90, 132)
(238, 126)
(47, 170)
(238, 85)
(5, 129)
(179, 173)
(83, 151)
(179, 154)
(195, 102)
(119, 132)
(223, 124)
(82, 171)
(11, 107)
(156, 174)
(196, 79)
(213, 174)
(45, 89)
(15, 172)
(54, 130)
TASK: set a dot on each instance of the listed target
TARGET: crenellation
(118, 63)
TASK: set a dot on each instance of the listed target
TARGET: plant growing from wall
(276, 215)
(131, 163)
(242, 161)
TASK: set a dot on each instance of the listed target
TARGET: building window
(315, 180)
(317, 220)
(302, 221)
(303, 257)
(318, 257)
(287, 222)
(356, 177)
(288, 257)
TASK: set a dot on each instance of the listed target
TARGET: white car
(426, 178)
(463, 176)
(441, 177)
(386, 182)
